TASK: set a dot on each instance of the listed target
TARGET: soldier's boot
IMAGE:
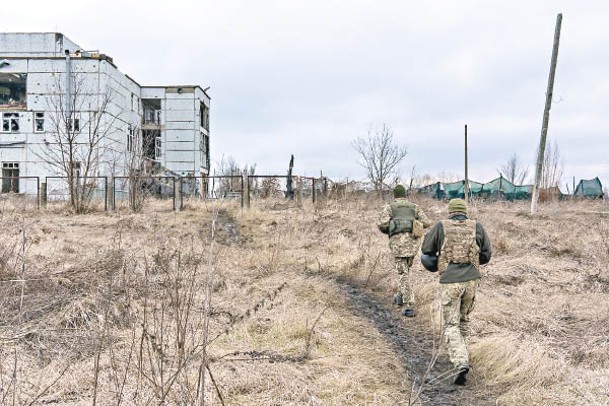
(409, 312)
(462, 371)
(398, 300)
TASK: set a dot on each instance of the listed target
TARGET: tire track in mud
(414, 346)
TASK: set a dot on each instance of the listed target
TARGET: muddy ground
(413, 344)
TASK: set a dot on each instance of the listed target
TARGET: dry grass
(110, 306)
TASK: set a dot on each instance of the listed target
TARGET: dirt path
(413, 344)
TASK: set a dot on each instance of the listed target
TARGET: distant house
(40, 72)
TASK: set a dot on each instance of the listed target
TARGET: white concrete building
(168, 124)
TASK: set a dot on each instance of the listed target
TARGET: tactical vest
(459, 245)
(402, 216)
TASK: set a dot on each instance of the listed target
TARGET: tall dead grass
(111, 308)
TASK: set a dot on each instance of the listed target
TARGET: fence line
(111, 189)
(10, 186)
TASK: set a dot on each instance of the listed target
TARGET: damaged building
(45, 77)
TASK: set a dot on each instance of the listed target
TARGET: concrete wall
(41, 57)
(29, 45)
(95, 81)
(180, 128)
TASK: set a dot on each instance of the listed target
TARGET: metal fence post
(38, 192)
(180, 196)
(106, 193)
(110, 188)
(176, 195)
(300, 185)
(314, 191)
(43, 194)
(245, 191)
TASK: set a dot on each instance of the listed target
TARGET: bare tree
(426, 179)
(553, 167)
(514, 170)
(380, 154)
(232, 172)
(229, 169)
(448, 177)
(138, 165)
(80, 138)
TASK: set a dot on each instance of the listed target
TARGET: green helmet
(457, 205)
(399, 191)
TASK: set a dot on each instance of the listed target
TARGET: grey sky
(307, 77)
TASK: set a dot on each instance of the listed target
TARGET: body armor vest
(459, 245)
(402, 216)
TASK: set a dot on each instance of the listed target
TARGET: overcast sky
(308, 77)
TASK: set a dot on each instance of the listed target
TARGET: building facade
(54, 93)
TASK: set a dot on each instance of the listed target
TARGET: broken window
(204, 148)
(73, 124)
(204, 115)
(10, 122)
(12, 91)
(10, 177)
(130, 138)
(39, 122)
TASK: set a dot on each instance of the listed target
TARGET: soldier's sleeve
(484, 243)
(432, 243)
(385, 217)
(422, 217)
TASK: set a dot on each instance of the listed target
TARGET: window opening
(204, 115)
(12, 91)
(148, 143)
(39, 122)
(10, 122)
(130, 138)
(152, 111)
(73, 124)
(10, 177)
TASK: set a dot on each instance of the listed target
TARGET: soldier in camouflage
(461, 246)
(398, 221)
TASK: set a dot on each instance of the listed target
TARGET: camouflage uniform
(458, 301)
(462, 246)
(403, 246)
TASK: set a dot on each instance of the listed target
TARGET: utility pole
(466, 169)
(546, 116)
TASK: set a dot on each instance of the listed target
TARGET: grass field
(267, 306)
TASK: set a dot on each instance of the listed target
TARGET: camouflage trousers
(458, 301)
(402, 266)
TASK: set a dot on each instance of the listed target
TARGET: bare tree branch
(81, 138)
(514, 170)
(553, 167)
(380, 155)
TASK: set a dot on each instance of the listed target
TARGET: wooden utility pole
(466, 169)
(546, 117)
